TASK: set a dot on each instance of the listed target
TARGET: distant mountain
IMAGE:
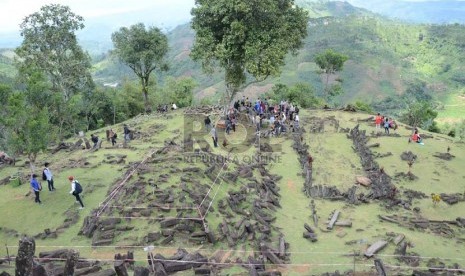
(387, 57)
(432, 12)
(320, 8)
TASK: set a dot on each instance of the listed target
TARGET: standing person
(36, 188)
(386, 126)
(94, 139)
(296, 121)
(208, 123)
(228, 125)
(112, 137)
(378, 121)
(127, 132)
(48, 176)
(258, 122)
(214, 136)
(76, 189)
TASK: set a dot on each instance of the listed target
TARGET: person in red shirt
(378, 121)
(416, 137)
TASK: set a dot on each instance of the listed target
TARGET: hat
(70, 177)
(46, 164)
(34, 175)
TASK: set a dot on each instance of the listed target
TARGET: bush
(363, 106)
(206, 101)
(434, 127)
(301, 94)
(460, 131)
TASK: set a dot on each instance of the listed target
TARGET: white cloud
(13, 12)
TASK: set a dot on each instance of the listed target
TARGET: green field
(335, 164)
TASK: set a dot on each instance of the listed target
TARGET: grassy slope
(335, 164)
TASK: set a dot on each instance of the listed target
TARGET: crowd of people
(262, 115)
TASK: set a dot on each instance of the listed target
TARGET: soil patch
(291, 186)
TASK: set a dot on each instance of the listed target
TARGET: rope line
(116, 190)
(217, 176)
(145, 207)
(216, 193)
(148, 218)
(254, 264)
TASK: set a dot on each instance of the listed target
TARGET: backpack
(44, 176)
(77, 187)
(115, 136)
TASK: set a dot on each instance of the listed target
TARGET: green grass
(335, 164)
(451, 111)
(335, 160)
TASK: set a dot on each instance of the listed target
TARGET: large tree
(144, 51)
(330, 62)
(27, 127)
(246, 38)
(50, 44)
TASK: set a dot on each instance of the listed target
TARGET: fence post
(7, 254)
(380, 267)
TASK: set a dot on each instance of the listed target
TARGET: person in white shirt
(296, 122)
(49, 177)
(74, 191)
(174, 107)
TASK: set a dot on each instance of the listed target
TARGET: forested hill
(387, 58)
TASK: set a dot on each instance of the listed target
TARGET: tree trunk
(230, 92)
(145, 91)
(326, 87)
(32, 160)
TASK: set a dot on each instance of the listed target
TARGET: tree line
(54, 95)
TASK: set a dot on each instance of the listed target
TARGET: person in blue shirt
(36, 188)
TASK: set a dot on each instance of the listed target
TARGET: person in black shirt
(208, 123)
(127, 132)
(94, 139)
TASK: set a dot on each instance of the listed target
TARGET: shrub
(363, 106)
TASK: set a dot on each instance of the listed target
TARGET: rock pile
(381, 187)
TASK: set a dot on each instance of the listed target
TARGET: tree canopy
(143, 50)
(50, 44)
(28, 129)
(419, 114)
(246, 37)
(330, 62)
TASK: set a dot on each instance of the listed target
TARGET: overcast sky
(165, 12)
(12, 12)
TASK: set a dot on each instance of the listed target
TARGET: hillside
(170, 182)
(432, 12)
(387, 58)
(390, 62)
